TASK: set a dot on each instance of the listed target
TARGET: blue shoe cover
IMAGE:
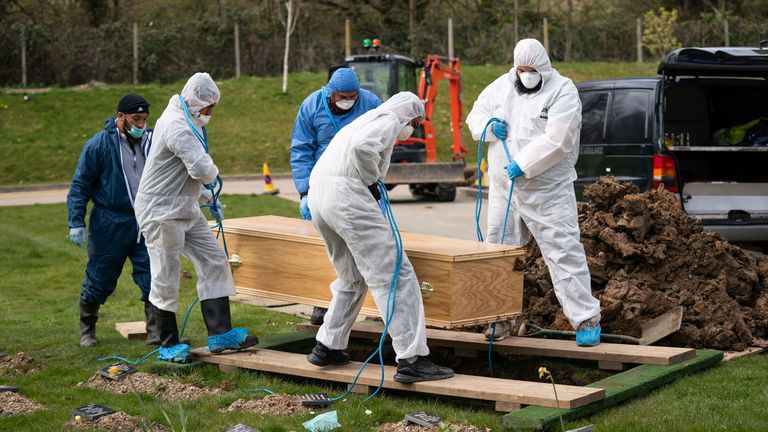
(230, 340)
(175, 354)
(588, 338)
(324, 422)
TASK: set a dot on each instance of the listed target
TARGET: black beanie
(133, 104)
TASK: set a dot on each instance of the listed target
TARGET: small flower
(368, 412)
(78, 418)
(542, 371)
(113, 371)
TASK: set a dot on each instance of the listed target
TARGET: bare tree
(568, 32)
(290, 25)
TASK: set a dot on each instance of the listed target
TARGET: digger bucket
(413, 173)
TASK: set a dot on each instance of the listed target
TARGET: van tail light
(664, 173)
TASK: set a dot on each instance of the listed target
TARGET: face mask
(202, 120)
(530, 79)
(405, 133)
(345, 104)
(135, 132)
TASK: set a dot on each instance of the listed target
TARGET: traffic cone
(269, 188)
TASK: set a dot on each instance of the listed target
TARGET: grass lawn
(42, 273)
(252, 125)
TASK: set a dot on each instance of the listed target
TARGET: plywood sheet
(466, 386)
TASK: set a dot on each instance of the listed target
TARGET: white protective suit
(356, 234)
(167, 207)
(543, 138)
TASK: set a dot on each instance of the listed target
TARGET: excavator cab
(414, 160)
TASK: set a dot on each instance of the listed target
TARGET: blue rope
(391, 299)
(479, 208)
(263, 390)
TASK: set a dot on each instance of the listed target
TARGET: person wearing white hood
(167, 210)
(343, 201)
(539, 115)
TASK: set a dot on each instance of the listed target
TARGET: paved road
(453, 219)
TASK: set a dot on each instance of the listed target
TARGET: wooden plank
(507, 406)
(607, 352)
(638, 381)
(472, 284)
(466, 386)
(132, 330)
(611, 365)
(732, 355)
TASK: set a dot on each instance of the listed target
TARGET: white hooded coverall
(167, 208)
(543, 138)
(360, 244)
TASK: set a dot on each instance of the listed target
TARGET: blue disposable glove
(499, 128)
(77, 235)
(304, 209)
(217, 211)
(513, 170)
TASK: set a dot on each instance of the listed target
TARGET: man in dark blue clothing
(108, 173)
(322, 114)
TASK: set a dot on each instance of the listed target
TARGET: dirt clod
(13, 403)
(154, 385)
(271, 405)
(118, 421)
(20, 364)
(647, 256)
(401, 427)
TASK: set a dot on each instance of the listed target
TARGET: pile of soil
(271, 405)
(20, 364)
(401, 427)
(154, 385)
(13, 403)
(646, 256)
(118, 421)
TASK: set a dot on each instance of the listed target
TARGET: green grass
(41, 276)
(42, 137)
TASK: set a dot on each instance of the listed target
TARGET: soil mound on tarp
(646, 256)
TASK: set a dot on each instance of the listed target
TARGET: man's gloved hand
(304, 209)
(514, 171)
(217, 211)
(499, 128)
(77, 235)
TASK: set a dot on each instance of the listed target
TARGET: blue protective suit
(314, 129)
(113, 234)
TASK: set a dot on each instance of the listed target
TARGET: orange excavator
(414, 160)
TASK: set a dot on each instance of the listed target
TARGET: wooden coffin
(285, 259)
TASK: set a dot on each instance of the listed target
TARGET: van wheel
(441, 192)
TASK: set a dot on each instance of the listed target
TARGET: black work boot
(153, 337)
(89, 314)
(421, 370)
(321, 355)
(218, 321)
(168, 331)
(318, 315)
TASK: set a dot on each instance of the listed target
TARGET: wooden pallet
(609, 356)
(507, 394)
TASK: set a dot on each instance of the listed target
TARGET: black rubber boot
(421, 370)
(218, 321)
(89, 314)
(167, 329)
(321, 355)
(318, 315)
(150, 312)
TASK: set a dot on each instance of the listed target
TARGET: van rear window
(628, 117)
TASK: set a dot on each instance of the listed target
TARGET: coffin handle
(426, 290)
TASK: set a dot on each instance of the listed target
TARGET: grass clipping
(646, 256)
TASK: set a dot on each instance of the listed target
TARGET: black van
(700, 129)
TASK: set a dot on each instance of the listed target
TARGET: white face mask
(202, 120)
(530, 79)
(405, 133)
(345, 104)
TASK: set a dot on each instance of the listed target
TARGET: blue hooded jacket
(99, 178)
(314, 128)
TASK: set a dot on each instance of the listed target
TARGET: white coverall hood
(358, 239)
(167, 207)
(543, 138)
